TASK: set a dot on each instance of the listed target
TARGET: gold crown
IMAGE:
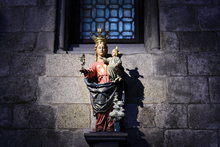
(100, 37)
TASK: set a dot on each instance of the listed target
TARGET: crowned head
(101, 48)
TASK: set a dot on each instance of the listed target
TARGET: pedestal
(106, 139)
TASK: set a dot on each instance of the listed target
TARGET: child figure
(114, 64)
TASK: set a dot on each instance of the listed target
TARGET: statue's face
(114, 53)
(101, 50)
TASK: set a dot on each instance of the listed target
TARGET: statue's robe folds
(101, 95)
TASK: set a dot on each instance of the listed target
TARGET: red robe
(103, 120)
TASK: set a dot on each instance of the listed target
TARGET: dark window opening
(73, 29)
(122, 19)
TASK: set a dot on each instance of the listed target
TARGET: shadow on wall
(134, 96)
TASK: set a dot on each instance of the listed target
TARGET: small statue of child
(114, 65)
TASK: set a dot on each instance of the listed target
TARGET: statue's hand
(83, 70)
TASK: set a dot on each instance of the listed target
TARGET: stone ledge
(123, 48)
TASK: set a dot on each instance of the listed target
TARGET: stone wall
(191, 30)
(172, 94)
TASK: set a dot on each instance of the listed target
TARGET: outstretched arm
(88, 73)
(84, 71)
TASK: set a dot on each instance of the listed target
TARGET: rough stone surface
(15, 138)
(29, 65)
(150, 90)
(209, 18)
(39, 19)
(134, 67)
(170, 18)
(198, 41)
(45, 42)
(5, 116)
(74, 116)
(169, 41)
(200, 120)
(154, 90)
(191, 138)
(8, 24)
(18, 42)
(218, 137)
(146, 115)
(70, 64)
(34, 116)
(65, 138)
(46, 2)
(171, 116)
(20, 2)
(145, 137)
(216, 1)
(204, 64)
(196, 2)
(18, 89)
(62, 90)
(214, 88)
(46, 138)
(169, 64)
(4, 65)
(218, 40)
(187, 90)
(161, 85)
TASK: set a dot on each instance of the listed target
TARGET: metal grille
(115, 16)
